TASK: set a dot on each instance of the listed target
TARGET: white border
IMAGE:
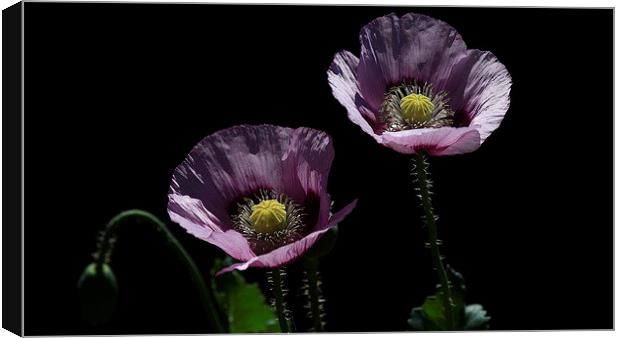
(484, 3)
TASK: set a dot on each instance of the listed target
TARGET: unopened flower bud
(98, 292)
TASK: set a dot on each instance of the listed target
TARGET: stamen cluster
(438, 113)
(291, 228)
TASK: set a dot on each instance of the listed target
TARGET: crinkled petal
(414, 47)
(309, 159)
(232, 163)
(194, 212)
(480, 90)
(435, 141)
(344, 84)
(288, 253)
(191, 215)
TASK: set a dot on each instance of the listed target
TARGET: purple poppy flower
(416, 86)
(257, 192)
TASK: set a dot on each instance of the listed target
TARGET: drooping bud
(98, 292)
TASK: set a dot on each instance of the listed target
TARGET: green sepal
(431, 315)
(243, 303)
(98, 293)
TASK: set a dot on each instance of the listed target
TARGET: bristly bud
(98, 293)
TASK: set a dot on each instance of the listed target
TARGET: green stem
(424, 182)
(314, 295)
(206, 293)
(280, 304)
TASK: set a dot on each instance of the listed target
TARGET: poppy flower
(257, 192)
(416, 87)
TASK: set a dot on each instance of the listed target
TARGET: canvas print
(203, 168)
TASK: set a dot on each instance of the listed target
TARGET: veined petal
(344, 84)
(191, 215)
(480, 90)
(435, 141)
(232, 163)
(414, 47)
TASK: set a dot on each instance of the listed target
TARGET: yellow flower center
(268, 215)
(416, 107)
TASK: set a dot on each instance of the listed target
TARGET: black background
(117, 94)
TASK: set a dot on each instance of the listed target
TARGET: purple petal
(437, 142)
(343, 81)
(414, 47)
(308, 161)
(480, 90)
(340, 215)
(232, 163)
(288, 253)
(195, 213)
(191, 215)
(309, 151)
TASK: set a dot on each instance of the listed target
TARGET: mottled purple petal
(233, 163)
(414, 47)
(343, 81)
(288, 253)
(480, 89)
(437, 142)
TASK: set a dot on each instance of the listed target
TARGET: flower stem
(106, 246)
(424, 185)
(276, 276)
(314, 295)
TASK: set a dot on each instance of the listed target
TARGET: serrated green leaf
(247, 311)
(243, 302)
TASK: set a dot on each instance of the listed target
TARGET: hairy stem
(424, 185)
(276, 276)
(314, 295)
(106, 246)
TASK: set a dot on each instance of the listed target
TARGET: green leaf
(433, 311)
(243, 302)
(431, 316)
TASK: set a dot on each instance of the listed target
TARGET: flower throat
(411, 106)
